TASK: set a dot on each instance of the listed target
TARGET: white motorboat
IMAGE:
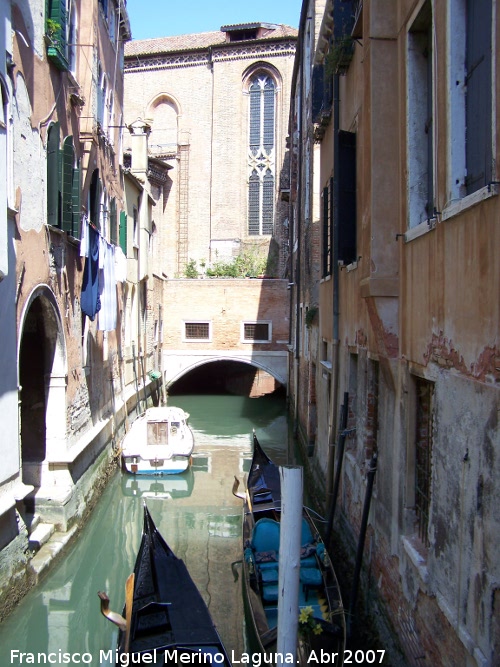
(160, 442)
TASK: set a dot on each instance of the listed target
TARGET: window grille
(197, 331)
(423, 456)
(256, 331)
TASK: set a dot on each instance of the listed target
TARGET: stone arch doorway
(42, 379)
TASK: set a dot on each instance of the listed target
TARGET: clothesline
(100, 275)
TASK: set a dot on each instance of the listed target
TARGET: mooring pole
(370, 477)
(289, 567)
(338, 470)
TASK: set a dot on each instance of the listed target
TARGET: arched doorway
(42, 378)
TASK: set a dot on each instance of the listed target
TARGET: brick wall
(226, 303)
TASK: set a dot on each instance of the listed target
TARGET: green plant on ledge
(339, 55)
(52, 29)
(310, 315)
(190, 270)
(248, 264)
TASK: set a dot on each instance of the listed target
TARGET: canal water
(197, 515)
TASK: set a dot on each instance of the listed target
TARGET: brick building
(216, 105)
(403, 354)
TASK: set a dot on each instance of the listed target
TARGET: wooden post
(289, 563)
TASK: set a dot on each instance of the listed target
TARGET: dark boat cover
(264, 478)
(168, 610)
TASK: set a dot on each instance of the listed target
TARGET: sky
(163, 18)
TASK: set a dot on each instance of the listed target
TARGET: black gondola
(165, 619)
(321, 615)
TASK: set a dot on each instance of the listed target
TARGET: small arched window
(262, 160)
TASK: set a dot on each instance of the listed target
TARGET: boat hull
(139, 466)
(165, 619)
(160, 442)
(320, 603)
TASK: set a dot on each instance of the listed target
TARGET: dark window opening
(256, 331)
(347, 197)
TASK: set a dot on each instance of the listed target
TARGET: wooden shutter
(53, 175)
(347, 197)
(68, 160)
(76, 201)
(112, 221)
(123, 231)
(479, 95)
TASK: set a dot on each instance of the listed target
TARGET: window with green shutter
(53, 175)
(123, 232)
(56, 26)
(68, 161)
(77, 200)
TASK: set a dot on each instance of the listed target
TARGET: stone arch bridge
(177, 363)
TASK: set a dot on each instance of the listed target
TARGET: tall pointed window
(262, 170)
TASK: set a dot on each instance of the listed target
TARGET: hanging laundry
(120, 265)
(90, 302)
(107, 287)
(84, 237)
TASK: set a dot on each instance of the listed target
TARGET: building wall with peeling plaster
(417, 308)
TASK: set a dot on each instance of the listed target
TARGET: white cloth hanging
(107, 286)
(120, 265)
(84, 237)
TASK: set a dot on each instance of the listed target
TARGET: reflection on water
(196, 513)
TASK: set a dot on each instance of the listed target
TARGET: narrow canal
(196, 513)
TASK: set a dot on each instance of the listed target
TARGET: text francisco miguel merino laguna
(174, 656)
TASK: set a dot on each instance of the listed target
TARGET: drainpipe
(212, 72)
(140, 131)
(335, 304)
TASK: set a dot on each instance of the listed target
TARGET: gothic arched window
(261, 154)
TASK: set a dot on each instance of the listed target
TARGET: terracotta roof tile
(196, 41)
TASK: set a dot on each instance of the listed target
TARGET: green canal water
(196, 513)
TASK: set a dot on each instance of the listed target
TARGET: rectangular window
(424, 391)
(471, 144)
(478, 105)
(135, 236)
(347, 197)
(256, 332)
(372, 406)
(420, 123)
(197, 331)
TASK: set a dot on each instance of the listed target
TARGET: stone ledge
(50, 550)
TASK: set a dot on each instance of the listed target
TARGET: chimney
(140, 131)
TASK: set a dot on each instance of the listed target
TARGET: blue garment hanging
(90, 301)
